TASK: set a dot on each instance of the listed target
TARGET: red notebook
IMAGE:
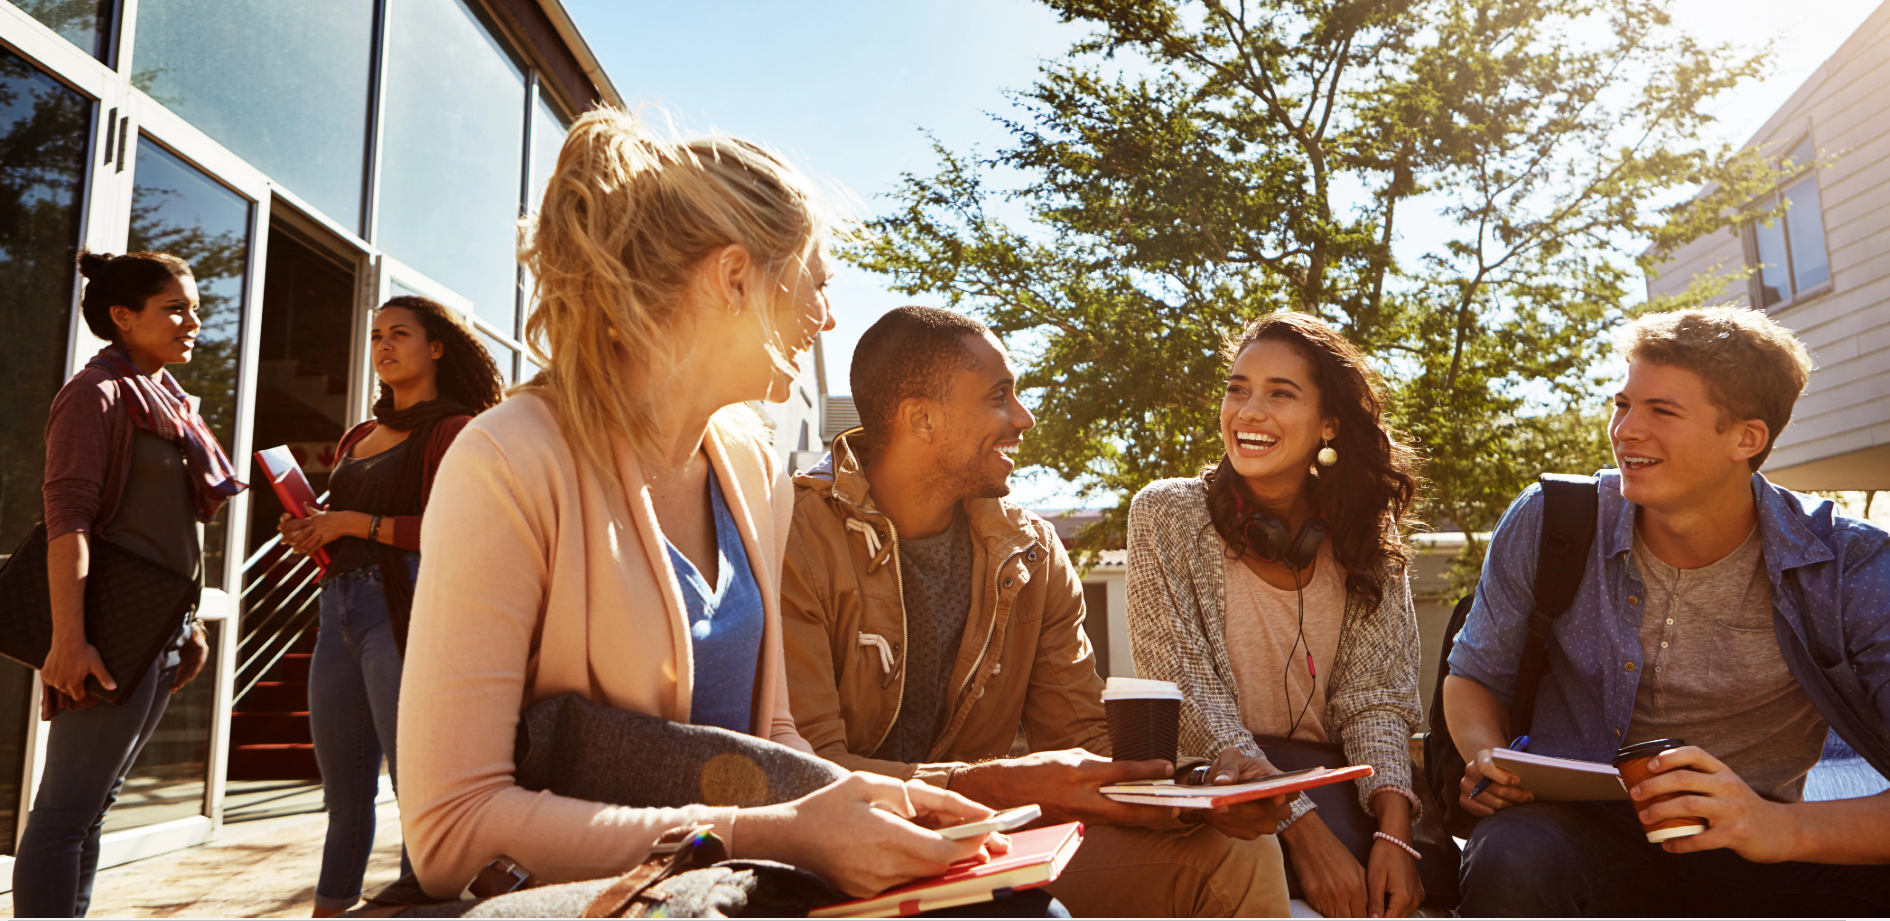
(291, 486)
(1037, 857)
(1183, 796)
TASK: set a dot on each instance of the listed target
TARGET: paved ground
(262, 868)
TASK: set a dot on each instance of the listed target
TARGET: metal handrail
(281, 600)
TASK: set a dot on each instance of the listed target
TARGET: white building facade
(1823, 266)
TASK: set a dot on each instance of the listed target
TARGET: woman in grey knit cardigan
(1273, 631)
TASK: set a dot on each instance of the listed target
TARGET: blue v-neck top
(725, 623)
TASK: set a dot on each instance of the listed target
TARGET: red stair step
(268, 728)
(291, 667)
(275, 697)
(283, 761)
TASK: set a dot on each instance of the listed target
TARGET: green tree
(1192, 165)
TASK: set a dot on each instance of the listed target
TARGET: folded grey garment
(575, 747)
(731, 889)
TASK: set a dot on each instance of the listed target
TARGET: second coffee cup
(1632, 763)
(1144, 719)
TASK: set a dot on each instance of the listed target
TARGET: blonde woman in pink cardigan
(616, 527)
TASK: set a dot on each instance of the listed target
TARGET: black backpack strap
(1570, 505)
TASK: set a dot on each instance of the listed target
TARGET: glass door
(177, 207)
(47, 130)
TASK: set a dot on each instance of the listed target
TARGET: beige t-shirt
(1712, 672)
(1269, 662)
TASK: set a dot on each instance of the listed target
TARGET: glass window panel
(455, 125)
(168, 780)
(85, 23)
(284, 85)
(1805, 226)
(548, 131)
(44, 128)
(1802, 153)
(1769, 239)
(178, 210)
(502, 354)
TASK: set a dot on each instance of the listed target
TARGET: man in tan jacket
(926, 620)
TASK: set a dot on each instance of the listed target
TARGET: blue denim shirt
(1831, 611)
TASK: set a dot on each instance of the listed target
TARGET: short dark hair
(910, 352)
(123, 281)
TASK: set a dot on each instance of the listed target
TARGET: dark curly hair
(123, 281)
(1366, 495)
(467, 373)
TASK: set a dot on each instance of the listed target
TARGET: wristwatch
(374, 527)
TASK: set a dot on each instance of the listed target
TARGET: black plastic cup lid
(1647, 749)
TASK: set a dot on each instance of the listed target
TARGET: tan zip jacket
(1024, 660)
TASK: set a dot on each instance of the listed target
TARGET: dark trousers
(353, 703)
(1588, 859)
(88, 754)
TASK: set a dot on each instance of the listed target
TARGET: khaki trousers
(1191, 872)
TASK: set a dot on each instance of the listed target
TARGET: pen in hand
(1521, 743)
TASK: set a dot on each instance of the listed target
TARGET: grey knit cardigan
(1176, 587)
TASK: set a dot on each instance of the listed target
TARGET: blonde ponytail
(625, 221)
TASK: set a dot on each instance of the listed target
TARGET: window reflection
(1774, 274)
(85, 23)
(454, 142)
(168, 780)
(44, 129)
(176, 209)
(286, 86)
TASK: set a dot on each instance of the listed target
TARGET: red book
(1207, 796)
(1037, 857)
(290, 485)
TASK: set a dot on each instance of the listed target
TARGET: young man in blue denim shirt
(1716, 608)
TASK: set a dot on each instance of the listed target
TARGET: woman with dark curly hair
(435, 376)
(1272, 588)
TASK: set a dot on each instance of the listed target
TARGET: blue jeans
(353, 705)
(88, 754)
(1579, 859)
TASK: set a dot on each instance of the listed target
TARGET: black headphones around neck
(1266, 536)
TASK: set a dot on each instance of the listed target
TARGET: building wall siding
(1845, 106)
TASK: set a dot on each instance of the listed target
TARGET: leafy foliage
(1192, 165)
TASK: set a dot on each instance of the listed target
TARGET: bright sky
(847, 89)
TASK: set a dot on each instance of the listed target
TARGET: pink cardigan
(539, 578)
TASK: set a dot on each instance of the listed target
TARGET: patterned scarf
(159, 406)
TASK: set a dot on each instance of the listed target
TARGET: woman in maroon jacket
(130, 463)
(434, 376)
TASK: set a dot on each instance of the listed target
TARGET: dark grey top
(364, 484)
(936, 578)
(157, 516)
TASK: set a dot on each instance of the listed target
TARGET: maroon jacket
(88, 453)
(407, 527)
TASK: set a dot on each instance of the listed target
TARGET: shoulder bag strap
(1570, 505)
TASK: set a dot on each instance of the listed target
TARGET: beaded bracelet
(1408, 849)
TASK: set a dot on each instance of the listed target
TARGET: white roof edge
(573, 39)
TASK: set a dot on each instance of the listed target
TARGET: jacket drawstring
(879, 551)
